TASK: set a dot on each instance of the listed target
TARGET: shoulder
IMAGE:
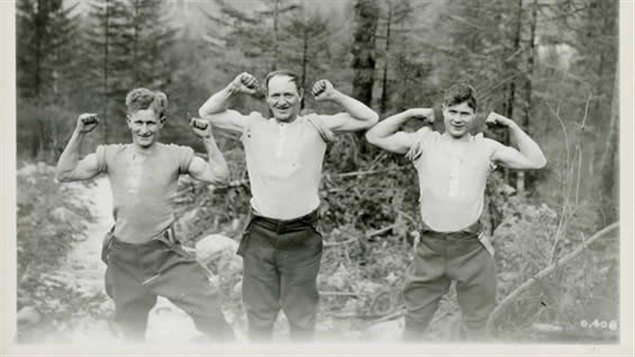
(178, 154)
(420, 142)
(426, 135)
(490, 145)
(109, 150)
(113, 147)
(316, 122)
(256, 117)
(176, 149)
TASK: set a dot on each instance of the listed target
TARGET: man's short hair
(293, 77)
(460, 93)
(143, 98)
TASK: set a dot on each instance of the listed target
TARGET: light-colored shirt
(452, 178)
(284, 162)
(143, 187)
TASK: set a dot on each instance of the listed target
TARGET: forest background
(550, 65)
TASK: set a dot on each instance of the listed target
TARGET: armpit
(326, 133)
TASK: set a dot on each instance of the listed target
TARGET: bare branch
(509, 299)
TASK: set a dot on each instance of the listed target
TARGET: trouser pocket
(106, 246)
(245, 238)
(485, 241)
(168, 238)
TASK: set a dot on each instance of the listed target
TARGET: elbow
(541, 163)
(62, 177)
(222, 178)
(371, 137)
(537, 164)
(202, 113)
(373, 120)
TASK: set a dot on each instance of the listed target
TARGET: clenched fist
(323, 90)
(87, 122)
(426, 114)
(201, 128)
(246, 83)
(497, 119)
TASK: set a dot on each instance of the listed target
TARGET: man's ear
(301, 93)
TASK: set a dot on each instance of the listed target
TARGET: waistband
(281, 225)
(473, 229)
(165, 237)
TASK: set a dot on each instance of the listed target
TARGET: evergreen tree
(127, 47)
(307, 49)
(46, 65)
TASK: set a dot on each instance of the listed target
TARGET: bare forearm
(217, 165)
(526, 145)
(355, 108)
(389, 125)
(218, 102)
(70, 157)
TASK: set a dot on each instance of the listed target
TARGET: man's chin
(457, 134)
(144, 143)
(286, 117)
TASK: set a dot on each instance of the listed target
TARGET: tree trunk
(305, 49)
(512, 68)
(609, 184)
(274, 66)
(39, 36)
(105, 69)
(366, 19)
(384, 84)
(521, 183)
(135, 42)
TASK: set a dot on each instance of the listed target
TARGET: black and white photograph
(299, 177)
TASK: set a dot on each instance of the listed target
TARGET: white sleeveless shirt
(284, 162)
(452, 178)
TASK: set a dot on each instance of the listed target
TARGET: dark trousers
(137, 273)
(441, 258)
(281, 261)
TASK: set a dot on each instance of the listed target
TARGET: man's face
(283, 98)
(458, 119)
(145, 127)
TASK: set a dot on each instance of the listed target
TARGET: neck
(463, 139)
(144, 149)
(288, 121)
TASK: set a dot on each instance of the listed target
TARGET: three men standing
(281, 247)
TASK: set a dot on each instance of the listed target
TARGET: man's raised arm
(69, 167)
(215, 170)
(357, 115)
(528, 155)
(386, 135)
(215, 108)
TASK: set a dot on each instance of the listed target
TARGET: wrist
(513, 126)
(232, 88)
(209, 142)
(411, 113)
(336, 96)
